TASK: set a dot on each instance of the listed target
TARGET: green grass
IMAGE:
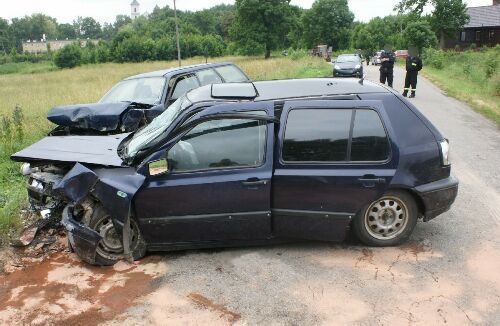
(470, 76)
(26, 67)
(41, 90)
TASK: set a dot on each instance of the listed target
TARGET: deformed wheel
(110, 248)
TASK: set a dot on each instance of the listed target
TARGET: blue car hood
(96, 116)
(100, 150)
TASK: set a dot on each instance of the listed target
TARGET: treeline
(250, 27)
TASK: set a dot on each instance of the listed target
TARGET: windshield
(148, 136)
(140, 90)
(347, 59)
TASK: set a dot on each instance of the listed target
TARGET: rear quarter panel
(416, 138)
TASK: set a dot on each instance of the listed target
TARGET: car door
(335, 157)
(219, 184)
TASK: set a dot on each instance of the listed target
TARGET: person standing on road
(387, 60)
(413, 66)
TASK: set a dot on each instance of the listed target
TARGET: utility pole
(177, 35)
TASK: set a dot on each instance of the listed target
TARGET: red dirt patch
(64, 290)
(206, 303)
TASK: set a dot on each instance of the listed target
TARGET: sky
(106, 10)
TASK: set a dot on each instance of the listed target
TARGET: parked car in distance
(403, 54)
(137, 100)
(249, 163)
(376, 58)
(348, 65)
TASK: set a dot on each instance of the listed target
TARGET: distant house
(41, 46)
(482, 29)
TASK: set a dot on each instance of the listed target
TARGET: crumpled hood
(101, 150)
(96, 116)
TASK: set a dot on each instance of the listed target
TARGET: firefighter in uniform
(387, 60)
(413, 66)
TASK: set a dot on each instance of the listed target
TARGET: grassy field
(36, 93)
(470, 76)
(27, 67)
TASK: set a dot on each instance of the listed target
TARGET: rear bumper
(437, 196)
(83, 239)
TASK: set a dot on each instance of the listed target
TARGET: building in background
(135, 9)
(483, 28)
(42, 46)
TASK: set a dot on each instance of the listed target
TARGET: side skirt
(310, 225)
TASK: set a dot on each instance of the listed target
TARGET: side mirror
(158, 167)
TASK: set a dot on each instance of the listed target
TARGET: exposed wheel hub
(110, 239)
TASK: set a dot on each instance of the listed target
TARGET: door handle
(374, 180)
(252, 182)
(369, 181)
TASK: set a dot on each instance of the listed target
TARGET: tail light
(444, 145)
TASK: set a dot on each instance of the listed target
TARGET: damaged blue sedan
(137, 100)
(248, 163)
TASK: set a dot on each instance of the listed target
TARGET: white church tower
(134, 9)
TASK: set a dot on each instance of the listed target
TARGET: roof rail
(234, 90)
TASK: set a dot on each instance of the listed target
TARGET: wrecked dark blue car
(137, 100)
(248, 163)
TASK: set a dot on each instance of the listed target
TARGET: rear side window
(183, 85)
(314, 135)
(369, 141)
(325, 135)
(208, 76)
(231, 74)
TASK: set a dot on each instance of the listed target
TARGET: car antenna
(362, 79)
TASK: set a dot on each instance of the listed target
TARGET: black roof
(294, 88)
(182, 69)
(485, 16)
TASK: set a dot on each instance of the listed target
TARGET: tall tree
(87, 27)
(448, 16)
(420, 35)
(328, 22)
(260, 24)
(66, 31)
(6, 39)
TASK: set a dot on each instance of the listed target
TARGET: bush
(69, 56)
(297, 54)
(495, 85)
(434, 58)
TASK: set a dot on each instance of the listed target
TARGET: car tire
(110, 249)
(387, 221)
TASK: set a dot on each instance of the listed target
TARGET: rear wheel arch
(418, 200)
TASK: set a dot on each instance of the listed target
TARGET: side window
(231, 74)
(369, 140)
(183, 85)
(208, 76)
(216, 144)
(316, 135)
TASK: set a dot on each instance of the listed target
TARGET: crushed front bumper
(82, 239)
(437, 196)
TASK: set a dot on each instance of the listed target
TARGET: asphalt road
(448, 273)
